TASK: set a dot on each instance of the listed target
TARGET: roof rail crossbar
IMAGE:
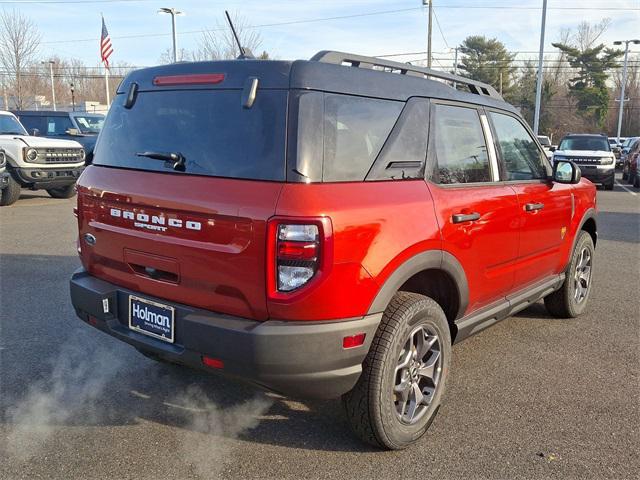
(360, 61)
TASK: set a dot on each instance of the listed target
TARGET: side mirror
(566, 172)
(552, 148)
(35, 132)
(72, 131)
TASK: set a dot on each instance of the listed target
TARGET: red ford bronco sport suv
(324, 228)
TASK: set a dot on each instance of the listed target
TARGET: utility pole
(430, 4)
(455, 67)
(53, 90)
(173, 12)
(624, 79)
(536, 115)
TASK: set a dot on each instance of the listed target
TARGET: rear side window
(521, 158)
(355, 128)
(459, 144)
(209, 128)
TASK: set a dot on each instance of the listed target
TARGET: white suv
(592, 153)
(36, 162)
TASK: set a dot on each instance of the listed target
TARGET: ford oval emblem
(90, 239)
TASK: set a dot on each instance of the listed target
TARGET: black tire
(371, 406)
(63, 192)
(636, 181)
(563, 302)
(609, 186)
(11, 193)
(625, 175)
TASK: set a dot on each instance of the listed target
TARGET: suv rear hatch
(190, 231)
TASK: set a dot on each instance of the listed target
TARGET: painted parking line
(625, 188)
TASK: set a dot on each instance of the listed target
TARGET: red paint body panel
(376, 227)
(220, 267)
(368, 230)
(487, 249)
(542, 232)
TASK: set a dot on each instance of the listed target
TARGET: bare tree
(587, 34)
(19, 41)
(218, 43)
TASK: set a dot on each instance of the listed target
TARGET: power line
(264, 25)
(440, 28)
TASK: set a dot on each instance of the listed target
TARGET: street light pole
(73, 97)
(53, 90)
(624, 79)
(173, 12)
(536, 115)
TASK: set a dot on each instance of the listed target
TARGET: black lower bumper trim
(47, 177)
(303, 359)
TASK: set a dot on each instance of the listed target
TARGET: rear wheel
(403, 376)
(571, 299)
(636, 180)
(11, 193)
(63, 192)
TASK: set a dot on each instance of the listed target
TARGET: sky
(71, 28)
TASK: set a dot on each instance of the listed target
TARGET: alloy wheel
(582, 276)
(417, 374)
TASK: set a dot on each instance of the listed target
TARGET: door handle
(462, 217)
(532, 207)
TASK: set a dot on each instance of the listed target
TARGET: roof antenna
(245, 53)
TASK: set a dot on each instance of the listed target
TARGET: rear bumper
(303, 359)
(598, 175)
(48, 177)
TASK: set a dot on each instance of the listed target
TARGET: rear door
(478, 216)
(545, 207)
(197, 236)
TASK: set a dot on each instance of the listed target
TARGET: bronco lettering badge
(158, 223)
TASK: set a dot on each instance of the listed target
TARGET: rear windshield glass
(210, 129)
(584, 143)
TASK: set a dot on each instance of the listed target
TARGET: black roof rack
(360, 61)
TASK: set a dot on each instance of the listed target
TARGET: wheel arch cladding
(436, 274)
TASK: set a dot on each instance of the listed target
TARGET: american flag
(105, 45)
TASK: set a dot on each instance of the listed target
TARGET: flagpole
(106, 84)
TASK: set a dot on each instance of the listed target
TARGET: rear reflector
(194, 79)
(353, 340)
(212, 362)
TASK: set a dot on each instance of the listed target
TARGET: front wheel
(571, 299)
(11, 193)
(609, 186)
(62, 192)
(403, 376)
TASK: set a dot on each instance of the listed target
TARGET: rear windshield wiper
(176, 158)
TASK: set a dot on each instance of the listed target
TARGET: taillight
(297, 255)
(299, 250)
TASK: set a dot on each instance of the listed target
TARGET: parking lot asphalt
(532, 397)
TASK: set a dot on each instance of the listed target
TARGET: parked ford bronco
(38, 163)
(324, 228)
(592, 153)
(83, 127)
